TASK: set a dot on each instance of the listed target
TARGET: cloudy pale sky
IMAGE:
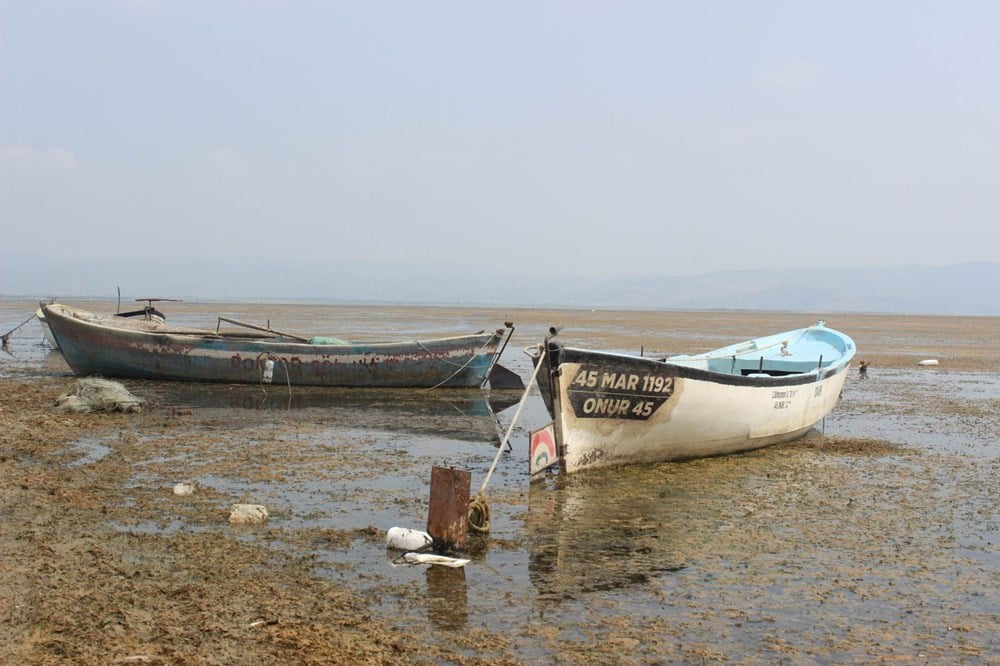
(606, 138)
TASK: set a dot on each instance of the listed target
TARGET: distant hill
(960, 289)
(967, 289)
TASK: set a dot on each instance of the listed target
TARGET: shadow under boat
(460, 414)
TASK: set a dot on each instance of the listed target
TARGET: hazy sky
(608, 138)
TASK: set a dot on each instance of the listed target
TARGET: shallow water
(877, 535)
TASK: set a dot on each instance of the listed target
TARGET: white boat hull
(699, 418)
(615, 409)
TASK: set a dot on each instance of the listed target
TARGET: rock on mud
(184, 489)
(248, 514)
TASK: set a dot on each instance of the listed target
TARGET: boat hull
(45, 329)
(93, 346)
(611, 409)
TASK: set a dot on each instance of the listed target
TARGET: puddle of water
(92, 449)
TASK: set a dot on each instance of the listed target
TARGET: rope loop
(479, 515)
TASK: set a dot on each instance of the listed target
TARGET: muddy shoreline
(877, 540)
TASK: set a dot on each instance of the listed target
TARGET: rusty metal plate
(447, 515)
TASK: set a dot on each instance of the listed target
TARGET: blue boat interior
(802, 351)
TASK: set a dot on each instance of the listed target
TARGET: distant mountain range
(960, 289)
(963, 289)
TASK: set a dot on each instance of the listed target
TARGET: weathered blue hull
(92, 344)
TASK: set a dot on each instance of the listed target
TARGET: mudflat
(876, 537)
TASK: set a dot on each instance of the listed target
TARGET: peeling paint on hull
(94, 347)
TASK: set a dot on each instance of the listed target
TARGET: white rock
(248, 514)
(184, 489)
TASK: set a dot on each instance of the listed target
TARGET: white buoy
(184, 489)
(928, 361)
(248, 514)
(403, 538)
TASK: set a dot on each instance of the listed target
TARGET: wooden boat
(611, 409)
(149, 312)
(40, 316)
(139, 348)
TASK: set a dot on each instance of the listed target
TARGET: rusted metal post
(447, 515)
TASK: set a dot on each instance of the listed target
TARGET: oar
(266, 330)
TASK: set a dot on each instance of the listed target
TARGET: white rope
(475, 354)
(510, 428)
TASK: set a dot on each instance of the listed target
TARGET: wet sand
(877, 539)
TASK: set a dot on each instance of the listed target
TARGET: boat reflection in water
(613, 528)
(459, 414)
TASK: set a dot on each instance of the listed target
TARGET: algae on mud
(877, 539)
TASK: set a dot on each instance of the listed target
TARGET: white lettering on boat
(610, 407)
(618, 392)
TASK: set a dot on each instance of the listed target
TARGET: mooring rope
(5, 338)
(479, 515)
(479, 509)
(475, 355)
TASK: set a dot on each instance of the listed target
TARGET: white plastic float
(403, 538)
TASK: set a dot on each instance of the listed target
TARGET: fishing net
(93, 394)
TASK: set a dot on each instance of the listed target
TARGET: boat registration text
(609, 393)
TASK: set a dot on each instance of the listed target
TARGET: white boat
(611, 409)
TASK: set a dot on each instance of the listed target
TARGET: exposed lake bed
(875, 537)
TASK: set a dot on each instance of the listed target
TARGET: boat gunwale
(267, 343)
(566, 354)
